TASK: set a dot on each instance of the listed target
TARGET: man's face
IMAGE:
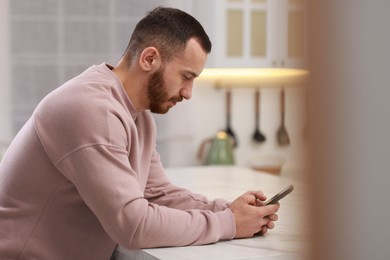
(174, 80)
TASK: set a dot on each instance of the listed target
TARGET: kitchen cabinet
(292, 49)
(255, 33)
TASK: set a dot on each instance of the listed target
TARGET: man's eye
(186, 78)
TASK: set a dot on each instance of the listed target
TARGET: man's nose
(186, 91)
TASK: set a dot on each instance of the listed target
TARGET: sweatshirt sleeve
(161, 191)
(107, 184)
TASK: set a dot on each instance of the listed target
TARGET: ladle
(258, 137)
(229, 130)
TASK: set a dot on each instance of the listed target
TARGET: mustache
(177, 99)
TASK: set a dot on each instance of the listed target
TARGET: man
(83, 174)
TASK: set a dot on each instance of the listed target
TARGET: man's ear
(150, 59)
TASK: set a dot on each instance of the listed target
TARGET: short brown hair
(167, 29)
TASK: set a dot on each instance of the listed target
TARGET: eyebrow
(191, 73)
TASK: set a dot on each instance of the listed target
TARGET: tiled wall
(54, 40)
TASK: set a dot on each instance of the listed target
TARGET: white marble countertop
(288, 240)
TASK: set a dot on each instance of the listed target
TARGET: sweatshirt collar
(107, 69)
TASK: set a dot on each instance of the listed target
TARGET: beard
(157, 93)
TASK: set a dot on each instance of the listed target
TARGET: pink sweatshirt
(83, 175)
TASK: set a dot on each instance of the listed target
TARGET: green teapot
(220, 150)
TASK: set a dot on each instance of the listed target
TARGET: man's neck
(134, 83)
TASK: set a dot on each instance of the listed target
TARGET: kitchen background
(349, 56)
(46, 42)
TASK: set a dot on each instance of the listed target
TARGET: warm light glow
(255, 76)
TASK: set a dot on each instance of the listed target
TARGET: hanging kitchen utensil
(282, 135)
(258, 137)
(229, 130)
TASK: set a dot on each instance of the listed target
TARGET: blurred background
(47, 42)
(343, 43)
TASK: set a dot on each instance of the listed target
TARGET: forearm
(179, 198)
(163, 226)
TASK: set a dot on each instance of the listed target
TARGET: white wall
(5, 96)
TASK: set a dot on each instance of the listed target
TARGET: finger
(264, 222)
(273, 217)
(263, 230)
(259, 195)
(270, 225)
(270, 209)
(277, 205)
(259, 203)
(249, 199)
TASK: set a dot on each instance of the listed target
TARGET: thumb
(271, 209)
(249, 198)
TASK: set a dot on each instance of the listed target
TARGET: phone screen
(280, 195)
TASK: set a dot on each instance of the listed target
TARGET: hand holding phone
(280, 195)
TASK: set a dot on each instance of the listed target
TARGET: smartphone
(280, 195)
